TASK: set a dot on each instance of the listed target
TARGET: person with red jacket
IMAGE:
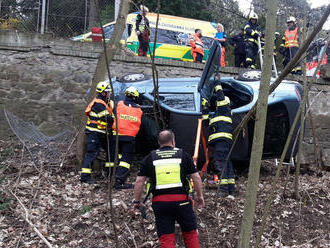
(290, 44)
(169, 170)
(99, 118)
(197, 46)
(129, 118)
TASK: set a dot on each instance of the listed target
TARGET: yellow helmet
(291, 19)
(253, 16)
(131, 92)
(103, 86)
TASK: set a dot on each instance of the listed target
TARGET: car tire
(132, 77)
(252, 75)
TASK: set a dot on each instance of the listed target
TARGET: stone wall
(46, 81)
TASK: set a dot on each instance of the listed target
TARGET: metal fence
(63, 18)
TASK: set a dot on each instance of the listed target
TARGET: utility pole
(117, 5)
(43, 15)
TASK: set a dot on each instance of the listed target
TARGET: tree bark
(92, 14)
(259, 129)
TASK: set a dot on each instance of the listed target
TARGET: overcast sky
(245, 5)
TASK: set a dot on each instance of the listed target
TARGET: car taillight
(298, 94)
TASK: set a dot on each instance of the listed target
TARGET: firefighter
(197, 46)
(220, 127)
(99, 118)
(129, 118)
(143, 30)
(251, 32)
(221, 37)
(290, 44)
(238, 42)
(168, 170)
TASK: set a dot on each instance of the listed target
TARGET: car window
(176, 38)
(180, 101)
(108, 30)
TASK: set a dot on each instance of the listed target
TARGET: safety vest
(94, 120)
(291, 38)
(220, 123)
(167, 171)
(197, 45)
(129, 120)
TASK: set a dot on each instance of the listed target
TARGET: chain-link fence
(63, 18)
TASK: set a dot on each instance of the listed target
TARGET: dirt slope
(70, 214)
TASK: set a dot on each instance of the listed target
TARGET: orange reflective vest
(197, 45)
(291, 38)
(94, 120)
(129, 120)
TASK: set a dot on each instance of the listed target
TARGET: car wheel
(130, 78)
(253, 75)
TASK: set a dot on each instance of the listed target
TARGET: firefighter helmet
(131, 92)
(103, 86)
(291, 19)
(253, 16)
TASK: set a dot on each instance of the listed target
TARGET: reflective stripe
(253, 40)
(231, 181)
(95, 34)
(168, 173)
(120, 156)
(249, 59)
(109, 164)
(124, 164)
(223, 102)
(205, 117)
(220, 135)
(220, 118)
(95, 129)
(86, 170)
(217, 88)
(223, 181)
(103, 113)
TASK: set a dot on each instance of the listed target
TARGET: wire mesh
(62, 18)
(42, 148)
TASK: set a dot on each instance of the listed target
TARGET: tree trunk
(92, 14)
(259, 129)
(101, 68)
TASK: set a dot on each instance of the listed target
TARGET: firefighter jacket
(99, 115)
(197, 45)
(129, 119)
(142, 24)
(220, 122)
(252, 32)
(168, 170)
(238, 42)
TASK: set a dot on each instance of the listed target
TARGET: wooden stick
(26, 217)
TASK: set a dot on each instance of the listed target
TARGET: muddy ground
(70, 214)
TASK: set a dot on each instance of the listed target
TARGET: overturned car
(180, 102)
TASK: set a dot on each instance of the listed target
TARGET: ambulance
(172, 37)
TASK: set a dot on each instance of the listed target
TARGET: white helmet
(291, 19)
(253, 16)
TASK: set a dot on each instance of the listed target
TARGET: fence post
(43, 15)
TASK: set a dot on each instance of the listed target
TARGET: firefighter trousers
(251, 49)
(221, 151)
(166, 214)
(126, 149)
(95, 141)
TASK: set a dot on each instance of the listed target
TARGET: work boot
(120, 186)
(223, 191)
(231, 189)
(88, 180)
